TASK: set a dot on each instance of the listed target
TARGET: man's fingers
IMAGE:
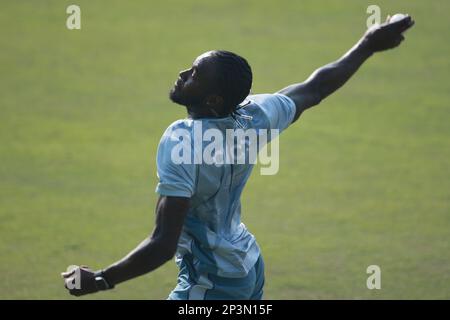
(76, 293)
(402, 25)
(67, 273)
(411, 23)
(399, 40)
(67, 281)
(70, 271)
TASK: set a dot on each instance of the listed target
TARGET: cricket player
(198, 213)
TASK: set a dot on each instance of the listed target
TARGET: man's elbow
(315, 94)
(169, 254)
(168, 251)
(305, 95)
(314, 100)
(161, 248)
(305, 103)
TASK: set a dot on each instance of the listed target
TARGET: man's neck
(194, 113)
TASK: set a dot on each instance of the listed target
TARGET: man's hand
(79, 281)
(387, 35)
(327, 79)
(151, 253)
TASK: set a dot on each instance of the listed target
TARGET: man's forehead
(202, 58)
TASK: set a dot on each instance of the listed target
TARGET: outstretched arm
(147, 256)
(327, 79)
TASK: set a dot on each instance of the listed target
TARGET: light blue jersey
(213, 234)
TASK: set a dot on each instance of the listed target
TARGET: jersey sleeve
(279, 109)
(175, 178)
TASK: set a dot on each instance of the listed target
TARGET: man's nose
(183, 73)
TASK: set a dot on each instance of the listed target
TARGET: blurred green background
(364, 177)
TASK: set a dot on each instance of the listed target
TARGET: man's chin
(174, 97)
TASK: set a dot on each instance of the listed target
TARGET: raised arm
(147, 256)
(327, 79)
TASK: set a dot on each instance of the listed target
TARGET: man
(198, 210)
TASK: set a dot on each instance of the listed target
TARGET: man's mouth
(178, 83)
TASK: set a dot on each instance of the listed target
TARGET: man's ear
(214, 101)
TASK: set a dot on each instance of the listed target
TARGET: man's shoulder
(255, 105)
(264, 98)
(178, 131)
(181, 124)
(278, 109)
(181, 127)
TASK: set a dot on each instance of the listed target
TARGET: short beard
(176, 97)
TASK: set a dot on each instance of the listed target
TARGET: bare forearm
(147, 256)
(331, 77)
(327, 79)
(151, 253)
(157, 249)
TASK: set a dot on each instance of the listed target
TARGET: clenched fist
(388, 35)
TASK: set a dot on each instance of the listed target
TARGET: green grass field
(364, 177)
